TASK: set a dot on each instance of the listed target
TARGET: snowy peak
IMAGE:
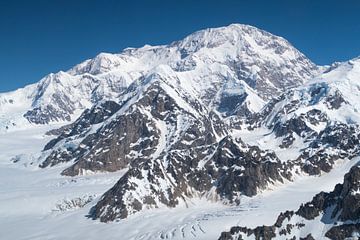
(237, 61)
(242, 37)
(253, 54)
(344, 78)
(103, 62)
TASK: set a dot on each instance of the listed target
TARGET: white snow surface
(30, 198)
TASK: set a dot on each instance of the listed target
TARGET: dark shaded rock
(294, 125)
(229, 103)
(244, 171)
(335, 101)
(308, 237)
(341, 208)
(288, 129)
(263, 233)
(282, 217)
(48, 114)
(59, 131)
(336, 141)
(111, 152)
(344, 231)
(95, 115)
(313, 209)
(315, 116)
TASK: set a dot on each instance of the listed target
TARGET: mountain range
(224, 115)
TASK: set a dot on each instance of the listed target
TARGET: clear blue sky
(38, 37)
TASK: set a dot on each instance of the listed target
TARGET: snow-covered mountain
(223, 116)
(170, 142)
(234, 68)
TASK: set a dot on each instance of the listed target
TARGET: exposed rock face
(189, 161)
(130, 136)
(242, 169)
(89, 117)
(44, 115)
(174, 177)
(264, 233)
(336, 141)
(339, 209)
(345, 231)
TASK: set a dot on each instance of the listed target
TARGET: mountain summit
(217, 65)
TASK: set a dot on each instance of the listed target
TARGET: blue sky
(38, 37)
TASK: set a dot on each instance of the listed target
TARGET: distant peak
(236, 35)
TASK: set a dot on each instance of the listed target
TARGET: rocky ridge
(336, 214)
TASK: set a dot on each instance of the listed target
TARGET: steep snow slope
(235, 63)
(337, 89)
(56, 98)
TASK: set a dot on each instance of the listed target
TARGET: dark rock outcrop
(89, 117)
(339, 208)
(192, 163)
(336, 141)
(232, 170)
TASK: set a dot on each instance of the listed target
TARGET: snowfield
(30, 198)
